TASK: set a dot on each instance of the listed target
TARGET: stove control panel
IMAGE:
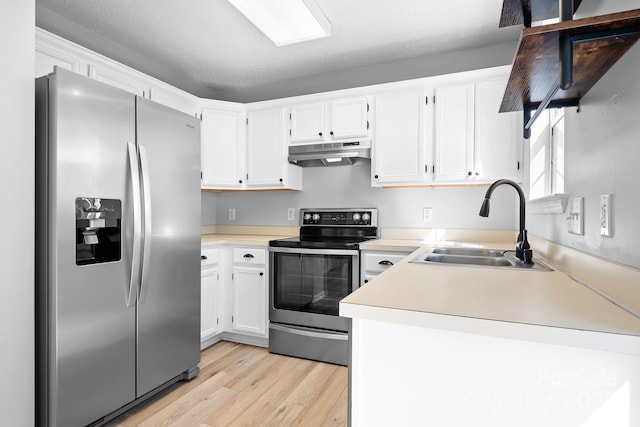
(348, 217)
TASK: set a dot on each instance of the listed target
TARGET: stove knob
(356, 216)
(366, 217)
(307, 217)
(316, 217)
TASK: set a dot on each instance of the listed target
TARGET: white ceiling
(209, 49)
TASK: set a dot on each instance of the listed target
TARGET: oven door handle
(350, 252)
(312, 334)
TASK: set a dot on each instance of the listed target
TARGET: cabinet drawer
(249, 256)
(209, 257)
(378, 262)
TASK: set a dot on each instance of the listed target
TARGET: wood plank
(514, 11)
(245, 398)
(264, 406)
(537, 64)
(310, 386)
(241, 385)
(319, 408)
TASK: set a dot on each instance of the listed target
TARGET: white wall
(602, 155)
(350, 186)
(17, 21)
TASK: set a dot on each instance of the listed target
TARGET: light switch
(575, 218)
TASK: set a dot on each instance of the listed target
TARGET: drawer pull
(261, 273)
(248, 256)
(385, 262)
(203, 257)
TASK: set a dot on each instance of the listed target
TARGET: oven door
(306, 286)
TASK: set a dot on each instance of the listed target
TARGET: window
(546, 155)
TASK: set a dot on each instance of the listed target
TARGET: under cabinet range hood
(330, 153)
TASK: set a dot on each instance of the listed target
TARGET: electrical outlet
(574, 219)
(427, 214)
(291, 214)
(232, 214)
(605, 215)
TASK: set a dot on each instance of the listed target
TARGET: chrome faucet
(523, 250)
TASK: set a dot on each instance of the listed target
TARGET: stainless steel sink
(476, 257)
(473, 260)
(469, 252)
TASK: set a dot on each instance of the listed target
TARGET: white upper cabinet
(267, 165)
(307, 122)
(51, 50)
(223, 148)
(120, 77)
(454, 132)
(340, 119)
(51, 53)
(498, 136)
(349, 118)
(402, 143)
(176, 99)
(474, 143)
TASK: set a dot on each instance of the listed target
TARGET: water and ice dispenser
(98, 230)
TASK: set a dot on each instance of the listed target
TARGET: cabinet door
(48, 56)
(307, 122)
(121, 77)
(399, 144)
(209, 283)
(249, 300)
(349, 118)
(454, 133)
(265, 148)
(222, 148)
(498, 140)
(175, 99)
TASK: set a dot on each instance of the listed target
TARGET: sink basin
(469, 252)
(479, 257)
(473, 260)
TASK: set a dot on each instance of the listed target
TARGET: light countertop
(237, 239)
(492, 299)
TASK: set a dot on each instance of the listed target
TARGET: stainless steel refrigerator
(117, 249)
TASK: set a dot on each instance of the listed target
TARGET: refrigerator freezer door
(90, 329)
(169, 304)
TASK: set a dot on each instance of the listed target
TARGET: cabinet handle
(469, 173)
(375, 176)
(249, 256)
(331, 133)
(240, 181)
(261, 273)
(477, 173)
(319, 133)
(281, 179)
(203, 257)
(366, 281)
(385, 262)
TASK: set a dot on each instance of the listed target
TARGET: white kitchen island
(442, 345)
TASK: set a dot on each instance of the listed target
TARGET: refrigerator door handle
(146, 197)
(134, 169)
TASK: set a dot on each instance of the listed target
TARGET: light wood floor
(241, 385)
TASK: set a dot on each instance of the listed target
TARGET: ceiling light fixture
(286, 21)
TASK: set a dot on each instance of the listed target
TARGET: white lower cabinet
(210, 294)
(234, 295)
(249, 300)
(372, 263)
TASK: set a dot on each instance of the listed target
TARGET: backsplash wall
(350, 186)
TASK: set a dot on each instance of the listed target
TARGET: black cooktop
(320, 242)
